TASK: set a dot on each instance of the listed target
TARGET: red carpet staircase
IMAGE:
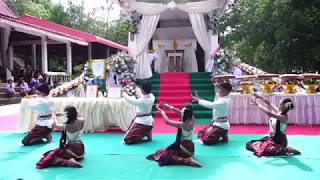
(174, 89)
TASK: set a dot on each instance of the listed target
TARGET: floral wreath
(288, 105)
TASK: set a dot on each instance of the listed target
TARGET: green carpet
(201, 83)
(107, 158)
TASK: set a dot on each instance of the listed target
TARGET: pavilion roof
(67, 31)
(5, 10)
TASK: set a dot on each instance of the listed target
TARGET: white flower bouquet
(121, 63)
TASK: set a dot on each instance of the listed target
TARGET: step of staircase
(6, 101)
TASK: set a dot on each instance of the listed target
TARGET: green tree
(119, 29)
(275, 35)
(74, 16)
(38, 8)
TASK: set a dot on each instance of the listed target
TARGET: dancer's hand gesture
(195, 99)
(159, 109)
(256, 95)
(166, 105)
(161, 104)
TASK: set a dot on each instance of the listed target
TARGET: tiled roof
(5, 10)
(69, 31)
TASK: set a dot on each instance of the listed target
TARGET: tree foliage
(275, 35)
(74, 16)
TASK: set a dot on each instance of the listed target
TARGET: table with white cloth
(98, 113)
(244, 111)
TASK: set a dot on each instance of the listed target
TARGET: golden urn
(290, 82)
(311, 82)
(246, 87)
(267, 82)
(246, 84)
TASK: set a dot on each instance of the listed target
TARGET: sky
(91, 4)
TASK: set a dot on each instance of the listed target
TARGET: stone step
(6, 101)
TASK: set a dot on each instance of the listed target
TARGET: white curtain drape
(200, 31)
(191, 7)
(160, 65)
(201, 6)
(149, 8)
(190, 61)
(140, 52)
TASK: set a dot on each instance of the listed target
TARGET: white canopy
(151, 11)
(151, 7)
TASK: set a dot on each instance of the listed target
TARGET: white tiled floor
(9, 109)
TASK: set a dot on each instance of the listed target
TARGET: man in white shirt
(43, 106)
(217, 130)
(152, 58)
(141, 126)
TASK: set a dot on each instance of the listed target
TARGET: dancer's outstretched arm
(205, 103)
(267, 103)
(172, 108)
(131, 100)
(282, 118)
(167, 120)
(58, 126)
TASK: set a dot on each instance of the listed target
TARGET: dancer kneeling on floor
(182, 150)
(141, 126)
(71, 148)
(43, 106)
(217, 131)
(276, 143)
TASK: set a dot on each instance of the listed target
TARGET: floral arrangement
(290, 79)
(270, 82)
(213, 22)
(311, 79)
(127, 81)
(311, 82)
(126, 78)
(64, 88)
(134, 22)
(222, 62)
(289, 82)
(121, 63)
(250, 69)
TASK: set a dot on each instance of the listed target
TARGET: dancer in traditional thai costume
(217, 131)
(43, 106)
(71, 148)
(276, 143)
(182, 150)
(141, 126)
